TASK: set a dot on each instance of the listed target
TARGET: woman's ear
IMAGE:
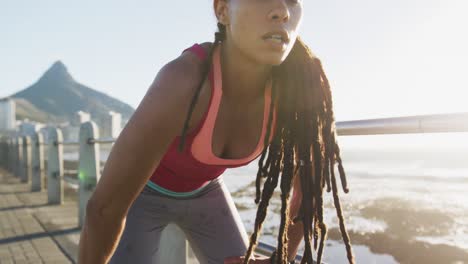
(221, 11)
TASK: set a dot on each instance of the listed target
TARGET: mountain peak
(59, 66)
(57, 72)
(58, 96)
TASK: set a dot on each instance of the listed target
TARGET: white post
(12, 155)
(7, 153)
(111, 125)
(27, 168)
(10, 152)
(174, 246)
(55, 167)
(19, 157)
(3, 153)
(89, 170)
(37, 151)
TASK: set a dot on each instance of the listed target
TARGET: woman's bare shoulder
(188, 65)
(169, 96)
(158, 119)
(207, 46)
(181, 77)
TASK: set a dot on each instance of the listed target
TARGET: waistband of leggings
(158, 190)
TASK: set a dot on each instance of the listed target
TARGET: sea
(408, 199)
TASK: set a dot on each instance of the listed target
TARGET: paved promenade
(31, 231)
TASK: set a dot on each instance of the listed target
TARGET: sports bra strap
(198, 50)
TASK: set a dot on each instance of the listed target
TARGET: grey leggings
(209, 220)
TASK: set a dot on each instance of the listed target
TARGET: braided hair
(304, 145)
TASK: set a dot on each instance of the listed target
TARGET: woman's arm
(295, 230)
(135, 155)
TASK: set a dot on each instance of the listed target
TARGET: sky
(383, 58)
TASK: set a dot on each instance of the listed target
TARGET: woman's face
(263, 30)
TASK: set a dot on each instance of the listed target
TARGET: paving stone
(36, 261)
(7, 261)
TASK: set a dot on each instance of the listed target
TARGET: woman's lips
(276, 44)
(277, 39)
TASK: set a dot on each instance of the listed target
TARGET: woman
(257, 90)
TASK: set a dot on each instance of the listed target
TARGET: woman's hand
(254, 260)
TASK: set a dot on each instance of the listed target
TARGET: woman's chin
(273, 60)
(272, 57)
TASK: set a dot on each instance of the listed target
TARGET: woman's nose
(280, 11)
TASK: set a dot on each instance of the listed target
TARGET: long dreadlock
(304, 145)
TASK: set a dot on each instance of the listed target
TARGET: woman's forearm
(296, 234)
(99, 239)
(295, 230)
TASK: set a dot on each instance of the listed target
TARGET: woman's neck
(243, 79)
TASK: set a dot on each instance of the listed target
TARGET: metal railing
(440, 123)
(24, 157)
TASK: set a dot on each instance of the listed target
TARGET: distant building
(7, 114)
(80, 117)
(111, 125)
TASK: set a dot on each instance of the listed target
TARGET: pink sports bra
(193, 168)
